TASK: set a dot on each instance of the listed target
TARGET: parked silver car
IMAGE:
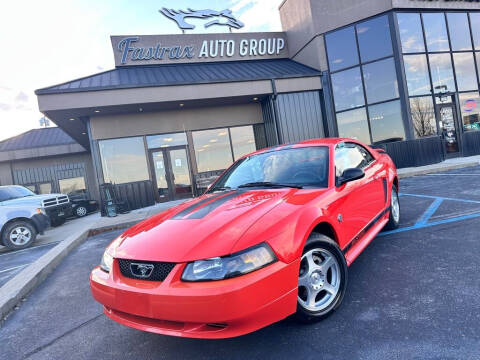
(22, 217)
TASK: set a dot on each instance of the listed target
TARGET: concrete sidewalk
(450, 164)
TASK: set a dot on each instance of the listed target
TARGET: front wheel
(19, 235)
(322, 279)
(394, 218)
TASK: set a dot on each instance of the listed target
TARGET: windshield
(293, 167)
(14, 192)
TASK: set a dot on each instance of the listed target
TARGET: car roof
(313, 142)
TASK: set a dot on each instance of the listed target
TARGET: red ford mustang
(273, 236)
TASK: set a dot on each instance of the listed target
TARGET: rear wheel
(322, 279)
(19, 235)
(394, 218)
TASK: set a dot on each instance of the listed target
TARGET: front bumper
(41, 222)
(215, 309)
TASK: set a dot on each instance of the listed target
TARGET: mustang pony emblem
(179, 17)
(141, 270)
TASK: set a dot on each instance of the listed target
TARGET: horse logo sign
(223, 18)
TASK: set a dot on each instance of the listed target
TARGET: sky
(47, 42)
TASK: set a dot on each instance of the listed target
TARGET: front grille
(159, 273)
(61, 200)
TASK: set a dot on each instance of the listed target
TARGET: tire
(57, 221)
(81, 211)
(322, 249)
(394, 217)
(19, 235)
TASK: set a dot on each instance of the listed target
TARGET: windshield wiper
(221, 188)
(269, 184)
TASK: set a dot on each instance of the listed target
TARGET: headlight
(230, 266)
(107, 261)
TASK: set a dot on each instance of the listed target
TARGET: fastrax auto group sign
(168, 49)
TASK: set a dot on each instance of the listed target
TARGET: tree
(423, 117)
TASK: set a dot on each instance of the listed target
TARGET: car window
(14, 192)
(305, 166)
(349, 155)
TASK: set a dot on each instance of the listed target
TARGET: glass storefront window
(46, 188)
(380, 81)
(243, 141)
(342, 49)
(477, 55)
(212, 149)
(374, 39)
(475, 23)
(386, 121)
(411, 34)
(68, 186)
(416, 71)
(442, 73)
(354, 124)
(166, 140)
(123, 160)
(423, 116)
(435, 32)
(470, 107)
(347, 89)
(465, 71)
(459, 31)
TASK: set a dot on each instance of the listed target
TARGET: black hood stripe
(207, 209)
(191, 208)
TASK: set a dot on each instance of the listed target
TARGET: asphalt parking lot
(413, 294)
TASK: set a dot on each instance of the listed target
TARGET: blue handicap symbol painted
(423, 222)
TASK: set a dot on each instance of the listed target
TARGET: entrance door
(448, 128)
(172, 173)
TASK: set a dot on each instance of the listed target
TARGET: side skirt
(361, 241)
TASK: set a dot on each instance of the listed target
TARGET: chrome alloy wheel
(319, 280)
(20, 235)
(395, 206)
(81, 211)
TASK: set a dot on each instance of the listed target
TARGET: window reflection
(353, 124)
(68, 186)
(470, 107)
(465, 71)
(243, 141)
(459, 31)
(475, 24)
(442, 73)
(380, 81)
(342, 49)
(411, 34)
(374, 39)
(212, 149)
(416, 71)
(347, 89)
(166, 140)
(386, 122)
(123, 160)
(435, 32)
(423, 116)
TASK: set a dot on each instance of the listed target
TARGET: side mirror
(350, 175)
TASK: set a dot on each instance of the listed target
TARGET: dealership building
(178, 109)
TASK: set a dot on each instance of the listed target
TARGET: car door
(359, 201)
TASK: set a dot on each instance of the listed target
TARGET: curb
(418, 172)
(23, 283)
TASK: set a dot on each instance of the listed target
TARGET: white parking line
(13, 268)
(478, 174)
(30, 248)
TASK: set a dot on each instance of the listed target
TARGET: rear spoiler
(380, 150)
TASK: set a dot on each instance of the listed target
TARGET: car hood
(206, 227)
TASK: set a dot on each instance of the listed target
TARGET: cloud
(258, 15)
(21, 97)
